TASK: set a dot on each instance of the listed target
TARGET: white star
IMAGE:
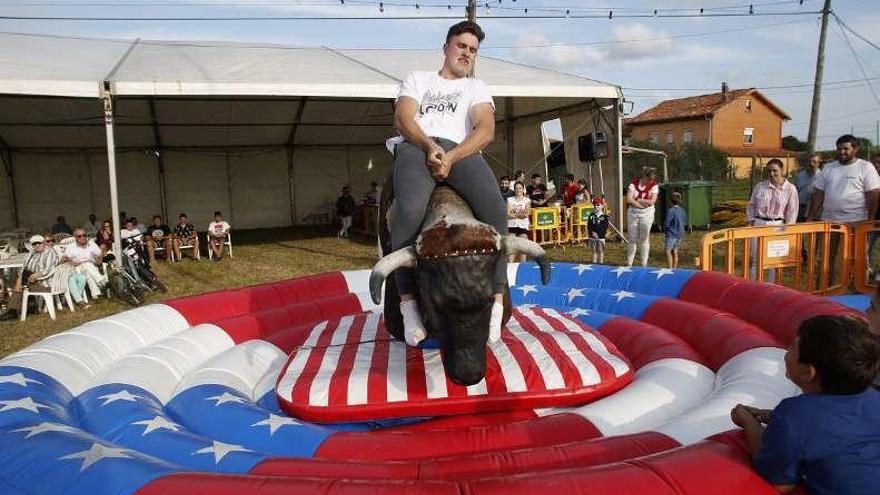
(527, 288)
(573, 293)
(274, 422)
(121, 395)
(25, 403)
(582, 268)
(663, 272)
(46, 427)
(157, 423)
(95, 454)
(621, 295)
(526, 306)
(226, 397)
(538, 267)
(18, 379)
(578, 312)
(220, 449)
(620, 270)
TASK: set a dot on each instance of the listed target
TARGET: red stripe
(416, 385)
(606, 371)
(338, 389)
(377, 383)
(495, 383)
(300, 392)
(570, 375)
(530, 368)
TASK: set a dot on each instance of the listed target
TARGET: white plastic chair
(48, 297)
(196, 252)
(228, 244)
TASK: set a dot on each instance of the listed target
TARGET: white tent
(265, 133)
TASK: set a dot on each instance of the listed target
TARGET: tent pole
(619, 192)
(107, 100)
(508, 135)
(160, 160)
(6, 156)
(291, 142)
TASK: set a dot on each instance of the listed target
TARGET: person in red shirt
(569, 190)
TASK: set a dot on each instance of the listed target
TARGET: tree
(792, 143)
(692, 161)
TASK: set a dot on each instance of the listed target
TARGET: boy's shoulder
(813, 406)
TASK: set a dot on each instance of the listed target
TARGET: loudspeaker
(593, 146)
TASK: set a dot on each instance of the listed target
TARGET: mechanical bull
(453, 258)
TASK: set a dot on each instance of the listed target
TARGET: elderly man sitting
(38, 265)
(85, 256)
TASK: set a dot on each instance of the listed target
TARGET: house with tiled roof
(743, 123)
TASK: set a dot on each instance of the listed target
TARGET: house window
(670, 138)
(687, 136)
(654, 138)
(748, 135)
(748, 105)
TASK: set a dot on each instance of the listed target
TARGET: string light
(751, 9)
(610, 14)
(381, 7)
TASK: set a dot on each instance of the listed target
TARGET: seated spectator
(130, 231)
(61, 226)
(582, 196)
(39, 263)
(218, 232)
(92, 226)
(504, 186)
(569, 190)
(85, 256)
(827, 438)
(50, 242)
(518, 215)
(345, 210)
(158, 236)
(104, 237)
(371, 197)
(139, 226)
(185, 235)
(537, 192)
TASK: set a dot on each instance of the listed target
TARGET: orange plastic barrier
(865, 262)
(812, 257)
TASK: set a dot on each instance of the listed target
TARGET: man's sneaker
(413, 326)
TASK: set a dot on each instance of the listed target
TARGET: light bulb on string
(381, 7)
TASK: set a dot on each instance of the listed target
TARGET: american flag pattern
(351, 369)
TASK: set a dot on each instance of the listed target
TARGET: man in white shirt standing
(218, 232)
(444, 119)
(846, 191)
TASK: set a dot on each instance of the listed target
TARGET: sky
(651, 58)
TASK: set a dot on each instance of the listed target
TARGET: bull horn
(403, 257)
(519, 245)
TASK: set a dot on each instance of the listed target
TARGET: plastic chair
(48, 298)
(228, 244)
(183, 246)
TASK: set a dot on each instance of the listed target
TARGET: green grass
(276, 254)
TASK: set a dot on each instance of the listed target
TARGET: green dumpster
(696, 201)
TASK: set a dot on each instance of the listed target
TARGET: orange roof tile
(696, 106)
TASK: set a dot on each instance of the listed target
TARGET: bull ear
(402, 258)
(519, 245)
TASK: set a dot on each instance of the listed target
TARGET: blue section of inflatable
(619, 302)
(856, 301)
(652, 281)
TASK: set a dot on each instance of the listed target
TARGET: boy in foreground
(827, 438)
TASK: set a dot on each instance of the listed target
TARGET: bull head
(455, 288)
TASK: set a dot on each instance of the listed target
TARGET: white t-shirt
(641, 212)
(80, 254)
(518, 205)
(444, 104)
(845, 187)
(218, 228)
(126, 234)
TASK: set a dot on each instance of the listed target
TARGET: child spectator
(827, 438)
(597, 226)
(673, 227)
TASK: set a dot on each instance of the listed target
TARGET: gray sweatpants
(413, 185)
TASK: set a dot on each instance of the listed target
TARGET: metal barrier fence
(816, 257)
(550, 227)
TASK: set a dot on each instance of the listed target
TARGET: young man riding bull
(445, 119)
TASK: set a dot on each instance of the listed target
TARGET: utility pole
(472, 10)
(817, 83)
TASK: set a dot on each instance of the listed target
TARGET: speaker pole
(601, 178)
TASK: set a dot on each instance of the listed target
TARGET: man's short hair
(182, 215)
(847, 138)
(774, 161)
(569, 177)
(536, 176)
(217, 213)
(504, 178)
(157, 216)
(845, 354)
(466, 27)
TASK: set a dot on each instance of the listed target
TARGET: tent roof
(74, 67)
